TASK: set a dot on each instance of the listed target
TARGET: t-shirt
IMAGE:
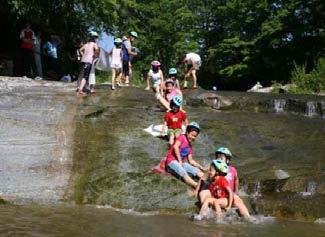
(231, 175)
(174, 120)
(88, 52)
(218, 188)
(155, 76)
(185, 149)
(193, 58)
(27, 34)
(126, 46)
(173, 93)
(51, 48)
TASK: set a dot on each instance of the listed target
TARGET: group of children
(217, 186)
(120, 60)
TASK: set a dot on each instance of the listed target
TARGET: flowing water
(280, 158)
(91, 221)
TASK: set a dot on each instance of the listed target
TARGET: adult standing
(27, 38)
(193, 63)
(127, 54)
(37, 54)
(50, 49)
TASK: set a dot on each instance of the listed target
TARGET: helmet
(155, 63)
(177, 100)
(172, 71)
(93, 34)
(220, 165)
(224, 150)
(118, 41)
(169, 81)
(134, 34)
(193, 125)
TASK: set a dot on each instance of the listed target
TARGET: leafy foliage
(240, 41)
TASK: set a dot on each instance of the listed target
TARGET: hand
(227, 209)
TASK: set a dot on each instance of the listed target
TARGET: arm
(236, 184)
(82, 50)
(96, 50)
(194, 163)
(230, 198)
(197, 189)
(177, 152)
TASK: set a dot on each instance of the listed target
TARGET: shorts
(156, 83)
(176, 131)
(126, 68)
(196, 65)
(184, 169)
(87, 69)
(116, 66)
(205, 184)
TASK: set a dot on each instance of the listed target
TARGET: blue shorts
(184, 169)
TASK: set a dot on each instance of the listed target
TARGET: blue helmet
(224, 150)
(193, 125)
(220, 166)
(177, 100)
(172, 71)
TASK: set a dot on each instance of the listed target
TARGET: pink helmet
(155, 63)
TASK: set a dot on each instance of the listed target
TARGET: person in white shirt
(193, 63)
(116, 62)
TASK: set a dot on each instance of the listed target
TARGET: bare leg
(113, 78)
(82, 84)
(164, 102)
(238, 202)
(193, 73)
(171, 139)
(203, 195)
(190, 181)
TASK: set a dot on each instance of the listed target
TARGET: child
(174, 119)
(170, 92)
(193, 63)
(116, 62)
(222, 195)
(172, 74)
(180, 152)
(157, 78)
(203, 192)
(224, 154)
(88, 52)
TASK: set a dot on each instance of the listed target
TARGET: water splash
(311, 109)
(278, 105)
(257, 190)
(310, 189)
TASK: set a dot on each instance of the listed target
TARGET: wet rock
(36, 129)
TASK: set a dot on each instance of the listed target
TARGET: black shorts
(87, 69)
(126, 69)
(204, 185)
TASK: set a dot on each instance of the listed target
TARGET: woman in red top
(222, 195)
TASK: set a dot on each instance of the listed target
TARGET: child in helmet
(170, 92)
(180, 160)
(116, 62)
(174, 119)
(156, 76)
(172, 74)
(223, 153)
(222, 195)
(203, 192)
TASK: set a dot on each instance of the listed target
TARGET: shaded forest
(240, 41)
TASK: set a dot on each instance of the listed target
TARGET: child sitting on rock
(174, 119)
(222, 195)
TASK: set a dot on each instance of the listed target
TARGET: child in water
(174, 119)
(222, 195)
(203, 192)
(181, 152)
